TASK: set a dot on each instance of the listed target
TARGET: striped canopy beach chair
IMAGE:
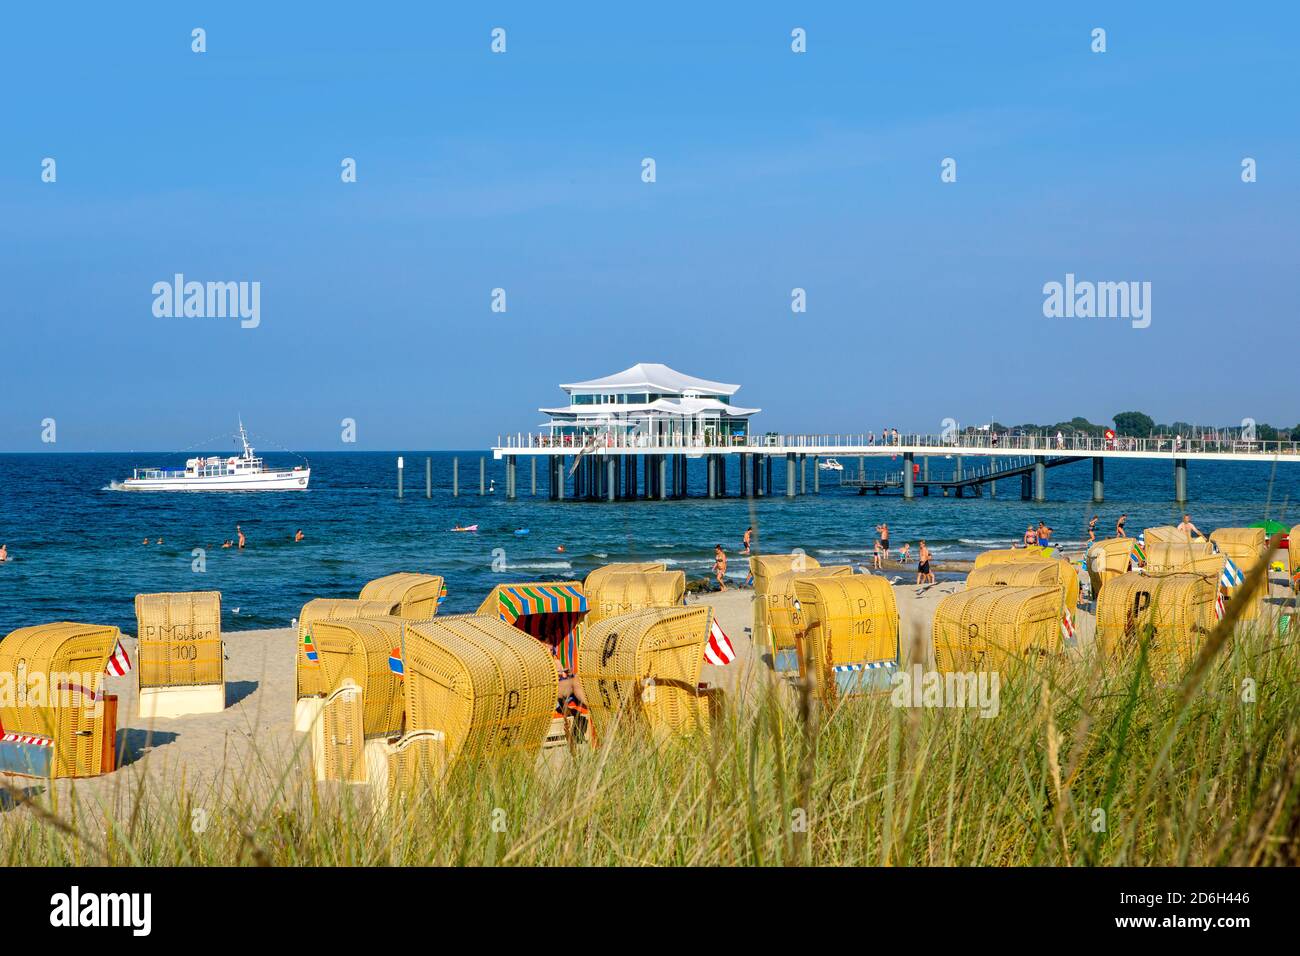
(551, 611)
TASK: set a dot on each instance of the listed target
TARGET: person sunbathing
(570, 687)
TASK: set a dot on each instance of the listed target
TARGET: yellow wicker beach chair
(991, 627)
(776, 621)
(1061, 573)
(551, 611)
(360, 653)
(1293, 557)
(765, 567)
(487, 687)
(597, 577)
(181, 661)
(1108, 558)
(412, 596)
(1246, 547)
(338, 737)
(1166, 534)
(848, 642)
(624, 592)
(646, 665)
(54, 715)
(1173, 612)
(1177, 557)
(311, 679)
(1007, 555)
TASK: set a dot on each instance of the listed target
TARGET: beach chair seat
(1059, 572)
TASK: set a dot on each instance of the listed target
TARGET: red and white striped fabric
(34, 739)
(118, 662)
(718, 650)
(1067, 625)
(1218, 605)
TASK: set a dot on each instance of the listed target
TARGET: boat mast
(243, 439)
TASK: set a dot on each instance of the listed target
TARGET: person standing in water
(882, 529)
(720, 566)
(1119, 526)
(749, 534)
(4, 553)
(923, 573)
(298, 535)
(1092, 529)
(240, 533)
(1189, 529)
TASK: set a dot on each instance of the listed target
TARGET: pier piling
(534, 476)
(482, 476)
(1180, 480)
(400, 465)
(428, 477)
(909, 491)
(789, 475)
(1040, 478)
(455, 477)
(1098, 480)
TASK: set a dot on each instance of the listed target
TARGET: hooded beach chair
(847, 638)
(180, 662)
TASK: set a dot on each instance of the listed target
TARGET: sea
(78, 551)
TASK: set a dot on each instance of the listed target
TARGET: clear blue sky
(522, 171)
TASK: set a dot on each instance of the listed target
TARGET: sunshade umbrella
(1271, 527)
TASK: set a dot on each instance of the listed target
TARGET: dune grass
(1084, 764)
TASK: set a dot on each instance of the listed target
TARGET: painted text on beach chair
(848, 641)
(597, 577)
(646, 664)
(53, 718)
(984, 628)
(412, 596)
(180, 658)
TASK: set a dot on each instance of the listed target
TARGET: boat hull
(266, 481)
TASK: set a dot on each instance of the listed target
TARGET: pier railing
(984, 443)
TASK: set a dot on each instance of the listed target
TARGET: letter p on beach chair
(647, 664)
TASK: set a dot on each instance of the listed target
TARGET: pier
(619, 466)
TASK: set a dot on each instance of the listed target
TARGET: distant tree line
(1142, 425)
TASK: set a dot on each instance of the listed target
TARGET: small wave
(114, 486)
(540, 566)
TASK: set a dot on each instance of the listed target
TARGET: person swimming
(4, 553)
(298, 535)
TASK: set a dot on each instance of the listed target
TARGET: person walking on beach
(923, 573)
(905, 553)
(1189, 529)
(1044, 535)
(239, 532)
(749, 535)
(882, 529)
(720, 566)
(1092, 529)
(1119, 525)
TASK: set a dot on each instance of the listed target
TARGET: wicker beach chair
(412, 596)
(1190, 557)
(1163, 534)
(1293, 557)
(551, 611)
(646, 666)
(1246, 547)
(487, 687)
(311, 682)
(180, 664)
(625, 592)
(1061, 573)
(55, 720)
(848, 641)
(987, 628)
(597, 577)
(1107, 559)
(1173, 612)
(776, 621)
(1007, 555)
(360, 653)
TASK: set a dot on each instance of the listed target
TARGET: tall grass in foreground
(1082, 765)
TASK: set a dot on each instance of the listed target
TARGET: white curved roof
(653, 377)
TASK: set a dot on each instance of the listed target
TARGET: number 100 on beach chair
(181, 660)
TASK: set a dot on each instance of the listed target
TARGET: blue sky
(522, 170)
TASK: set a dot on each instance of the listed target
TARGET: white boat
(237, 473)
(830, 464)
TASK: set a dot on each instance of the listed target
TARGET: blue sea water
(77, 551)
